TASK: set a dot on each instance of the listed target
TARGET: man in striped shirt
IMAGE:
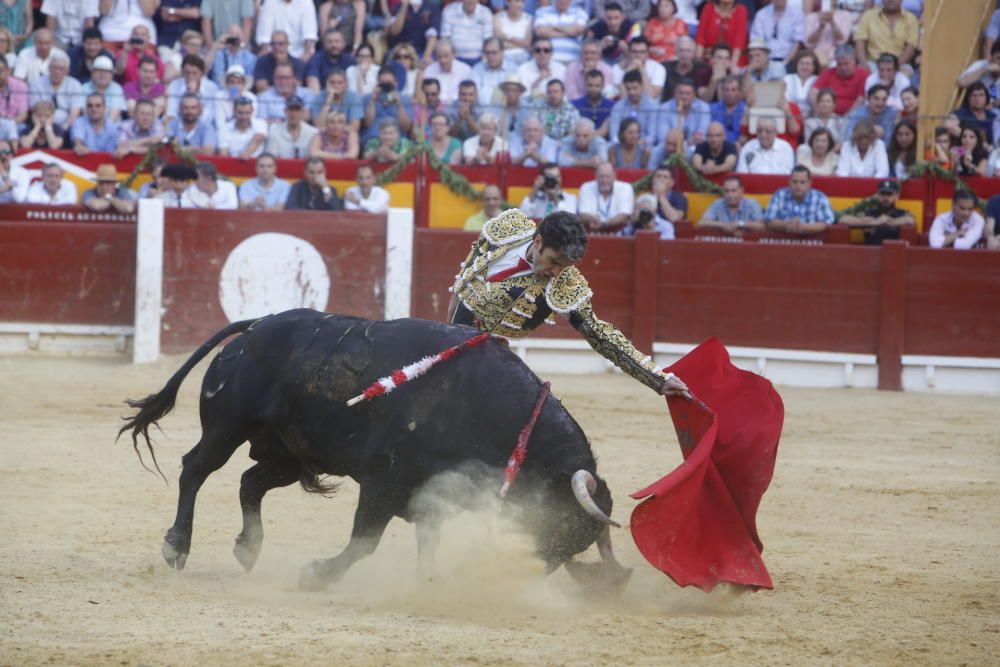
(565, 26)
(798, 209)
(468, 25)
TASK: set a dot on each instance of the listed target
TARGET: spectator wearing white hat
(102, 83)
(237, 86)
(760, 66)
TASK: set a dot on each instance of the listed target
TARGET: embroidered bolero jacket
(515, 306)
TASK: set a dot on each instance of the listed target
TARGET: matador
(520, 274)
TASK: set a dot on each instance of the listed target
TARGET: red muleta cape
(698, 524)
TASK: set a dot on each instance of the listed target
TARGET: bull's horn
(604, 547)
(584, 484)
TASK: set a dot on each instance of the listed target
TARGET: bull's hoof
(175, 550)
(600, 579)
(175, 558)
(311, 577)
(246, 551)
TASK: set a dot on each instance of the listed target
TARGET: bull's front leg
(376, 506)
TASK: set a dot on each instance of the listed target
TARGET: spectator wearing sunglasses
(541, 69)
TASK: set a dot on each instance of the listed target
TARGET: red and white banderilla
(415, 370)
(521, 450)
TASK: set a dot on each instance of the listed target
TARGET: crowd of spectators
(744, 86)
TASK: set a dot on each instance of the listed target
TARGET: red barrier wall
(197, 244)
(884, 301)
(60, 265)
(761, 295)
(952, 303)
(65, 271)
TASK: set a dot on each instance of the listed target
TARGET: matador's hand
(674, 386)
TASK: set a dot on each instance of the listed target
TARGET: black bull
(283, 383)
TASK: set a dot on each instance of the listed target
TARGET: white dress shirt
(29, 66)
(296, 18)
(528, 73)
(755, 159)
(621, 200)
(538, 207)
(225, 197)
(945, 224)
(377, 200)
(875, 163)
(510, 260)
(21, 181)
(449, 80)
(232, 141)
(65, 195)
(470, 148)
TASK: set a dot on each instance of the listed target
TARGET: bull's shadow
(282, 384)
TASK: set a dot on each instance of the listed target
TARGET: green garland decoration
(392, 173)
(455, 182)
(925, 167)
(185, 155)
(677, 160)
(918, 170)
(856, 208)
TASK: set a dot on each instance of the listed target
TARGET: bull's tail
(156, 406)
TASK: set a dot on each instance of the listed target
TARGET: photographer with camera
(227, 51)
(138, 47)
(660, 208)
(547, 195)
(386, 102)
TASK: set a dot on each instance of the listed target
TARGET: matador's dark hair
(564, 233)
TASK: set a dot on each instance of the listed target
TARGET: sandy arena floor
(881, 532)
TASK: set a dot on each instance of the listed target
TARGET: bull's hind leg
(280, 469)
(210, 454)
(376, 507)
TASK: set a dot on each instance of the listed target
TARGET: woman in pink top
(663, 30)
